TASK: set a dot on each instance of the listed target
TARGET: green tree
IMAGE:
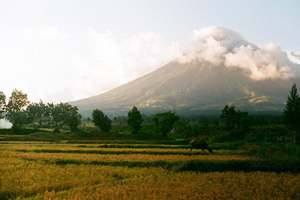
(292, 112)
(228, 117)
(64, 114)
(182, 128)
(165, 121)
(15, 109)
(135, 119)
(101, 120)
(56, 112)
(38, 112)
(71, 116)
(235, 121)
(2, 103)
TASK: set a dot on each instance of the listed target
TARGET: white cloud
(294, 56)
(44, 60)
(47, 32)
(117, 62)
(268, 62)
(59, 96)
(222, 46)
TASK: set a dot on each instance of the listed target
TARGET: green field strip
(112, 152)
(203, 166)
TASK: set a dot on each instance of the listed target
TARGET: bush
(56, 130)
(272, 151)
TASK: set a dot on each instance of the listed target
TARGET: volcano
(219, 67)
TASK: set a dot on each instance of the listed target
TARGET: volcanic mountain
(221, 68)
(192, 87)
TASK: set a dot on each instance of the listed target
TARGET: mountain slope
(192, 86)
(216, 68)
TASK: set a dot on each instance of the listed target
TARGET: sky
(66, 50)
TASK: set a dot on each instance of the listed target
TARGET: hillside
(192, 87)
(216, 68)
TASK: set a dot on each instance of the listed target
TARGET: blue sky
(62, 50)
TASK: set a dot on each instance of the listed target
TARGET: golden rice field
(41, 170)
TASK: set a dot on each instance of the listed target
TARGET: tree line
(20, 112)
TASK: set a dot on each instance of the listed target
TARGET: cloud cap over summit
(216, 67)
(218, 45)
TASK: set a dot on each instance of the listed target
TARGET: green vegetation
(135, 119)
(262, 136)
(165, 121)
(237, 122)
(101, 120)
(103, 155)
(292, 112)
(15, 109)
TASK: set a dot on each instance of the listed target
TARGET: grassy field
(98, 169)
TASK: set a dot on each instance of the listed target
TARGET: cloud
(114, 62)
(294, 57)
(211, 44)
(5, 124)
(46, 32)
(268, 62)
(221, 46)
(61, 96)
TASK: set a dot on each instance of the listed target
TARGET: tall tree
(101, 120)
(229, 117)
(292, 108)
(135, 119)
(15, 109)
(291, 112)
(71, 116)
(56, 115)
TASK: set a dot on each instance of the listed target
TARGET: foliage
(165, 121)
(182, 128)
(38, 112)
(101, 120)
(71, 116)
(2, 103)
(56, 113)
(292, 112)
(135, 119)
(15, 109)
(64, 114)
(120, 120)
(237, 122)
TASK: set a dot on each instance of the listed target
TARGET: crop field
(48, 170)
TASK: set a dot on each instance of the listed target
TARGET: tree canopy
(101, 120)
(291, 112)
(292, 109)
(2, 103)
(15, 109)
(235, 121)
(165, 121)
(135, 119)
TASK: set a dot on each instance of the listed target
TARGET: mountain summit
(217, 67)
